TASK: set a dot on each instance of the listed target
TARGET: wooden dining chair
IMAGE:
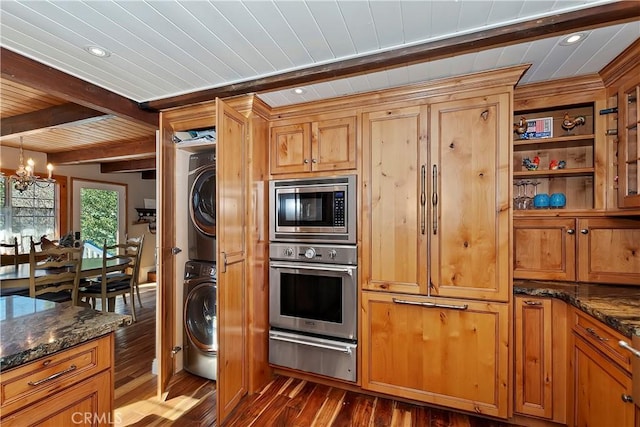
(56, 277)
(9, 253)
(117, 278)
(134, 247)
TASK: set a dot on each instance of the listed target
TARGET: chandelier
(24, 176)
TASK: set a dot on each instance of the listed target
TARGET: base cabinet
(71, 387)
(601, 384)
(442, 351)
(540, 331)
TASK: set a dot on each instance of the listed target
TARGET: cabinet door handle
(627, 346)
(314, 161)
(175, 251)
(595, 334)
(434, 199)
(585, 231)
(626, 398)
(423, 198)
(533, 302)
(53, 376)
(306, 161)
(571, 231)
(430, 304)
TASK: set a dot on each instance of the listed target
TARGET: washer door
(200, 318)
(202, 206)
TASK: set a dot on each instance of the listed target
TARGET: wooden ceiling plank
(128, 166)
(597, 16)
(23, 70)
(39, 121)
(144, 147)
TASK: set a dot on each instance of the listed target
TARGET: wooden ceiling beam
(128, 166)
(116, 150)
(39, 121)
(26, 71)
(593, 17)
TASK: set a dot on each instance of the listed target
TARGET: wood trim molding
(622, 64)
(128, 166)
(593, 17)
(581, 87)
(23, 70)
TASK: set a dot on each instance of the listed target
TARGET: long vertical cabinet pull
(434, 199)
(423, 199)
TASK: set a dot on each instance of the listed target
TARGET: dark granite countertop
(616, 306)
(32, 328)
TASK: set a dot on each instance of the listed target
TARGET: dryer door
(200, 317)
(202, 201)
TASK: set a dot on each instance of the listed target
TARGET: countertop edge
(622, 313)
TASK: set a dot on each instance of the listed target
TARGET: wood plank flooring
(285, 402)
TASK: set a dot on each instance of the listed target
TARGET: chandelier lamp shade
(24, 176)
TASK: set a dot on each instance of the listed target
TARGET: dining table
(12, 276)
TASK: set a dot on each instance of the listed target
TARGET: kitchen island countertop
(616, 306)
(33, 328)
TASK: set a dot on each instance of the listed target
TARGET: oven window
(305, 209)
(311, 297)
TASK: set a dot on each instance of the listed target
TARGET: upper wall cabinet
(313, 146)
(559, 148)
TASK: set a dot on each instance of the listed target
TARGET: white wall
(138, 189)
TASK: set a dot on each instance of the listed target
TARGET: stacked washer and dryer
(200, 305)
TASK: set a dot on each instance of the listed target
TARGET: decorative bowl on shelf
(557, 200)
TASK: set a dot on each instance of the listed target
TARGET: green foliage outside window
(99, 216)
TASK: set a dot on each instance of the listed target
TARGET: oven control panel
(325, 254)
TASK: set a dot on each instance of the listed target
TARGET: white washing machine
(202, 206)
(200, 340)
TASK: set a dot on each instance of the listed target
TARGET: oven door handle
(345, 350)
(348, 270)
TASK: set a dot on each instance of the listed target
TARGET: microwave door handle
(345, 350)
(347, 270)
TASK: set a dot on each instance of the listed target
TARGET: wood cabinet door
(333, 144)
(609, 250)
(544, 249)
(447, 352)
(290, 148)
(470, 191)
(599, 389)
(533, 357)
(231, 223)
(394, 245)
(89, 403)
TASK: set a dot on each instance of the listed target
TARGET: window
(99, 213)
(27, 215)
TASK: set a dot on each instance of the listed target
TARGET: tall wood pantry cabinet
(435, 248)
(241, 177)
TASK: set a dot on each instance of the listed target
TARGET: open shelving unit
(574, 146)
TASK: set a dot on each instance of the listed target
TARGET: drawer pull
(533, 302)
(595, 334)
(431, 304)
(626, 398)
(626, 346)
(53, 376)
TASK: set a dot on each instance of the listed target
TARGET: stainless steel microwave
(313, 210)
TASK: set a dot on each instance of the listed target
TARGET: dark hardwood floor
(285, 402)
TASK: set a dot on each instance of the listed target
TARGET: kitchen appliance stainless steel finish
(313, 305)
(313, 210)
(313, 354)
(313, 289)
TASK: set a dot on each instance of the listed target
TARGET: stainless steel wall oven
(313, 307)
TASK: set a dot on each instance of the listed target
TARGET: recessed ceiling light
(98, 51)
(573, 39)
(299, 90)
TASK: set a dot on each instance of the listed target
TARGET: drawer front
(29, 383)
(602, 338)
